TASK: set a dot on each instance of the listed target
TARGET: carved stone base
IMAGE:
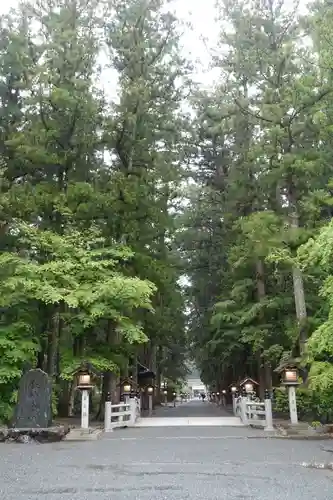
(40, 435)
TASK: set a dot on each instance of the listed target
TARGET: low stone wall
(40, 435)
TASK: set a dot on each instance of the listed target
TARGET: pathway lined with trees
(170, 222)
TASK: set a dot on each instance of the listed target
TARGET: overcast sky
(197, 40)
(200, 14)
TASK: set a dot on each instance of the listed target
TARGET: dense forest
(170, 222)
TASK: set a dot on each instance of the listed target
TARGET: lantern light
(234, 389)
(248, 387)
(84, 380)
(127, 388)
(290, 376)
(150, 389)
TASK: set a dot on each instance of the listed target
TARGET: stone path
(191, 409)
(175, 463)
(194, 413)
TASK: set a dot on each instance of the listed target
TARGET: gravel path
(191, 409)
(193, 463)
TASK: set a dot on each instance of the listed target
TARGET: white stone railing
(255, 413)
(121, 415)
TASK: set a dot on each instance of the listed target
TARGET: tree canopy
(148, 221)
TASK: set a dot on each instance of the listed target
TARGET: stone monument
(34, 403)
(33, 413)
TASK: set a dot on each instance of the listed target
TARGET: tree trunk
(264, 368)
(135, 370)
(299, 294)
(110, 380)
(71, 399)
(52, 344)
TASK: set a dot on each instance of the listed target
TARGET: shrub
(311, 405)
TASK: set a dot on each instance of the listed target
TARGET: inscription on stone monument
(34, 405)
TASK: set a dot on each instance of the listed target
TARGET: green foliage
(70, 366)
(7, 402)
(256, 244)
(94, 231)
(315, 256)
(88, 266)
(311, 404)
(76, 274)
(306, 402)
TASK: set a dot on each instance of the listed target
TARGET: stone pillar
(150, 405)
(268, 413)
(85, 409)
(108, 414)
(292, 404)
